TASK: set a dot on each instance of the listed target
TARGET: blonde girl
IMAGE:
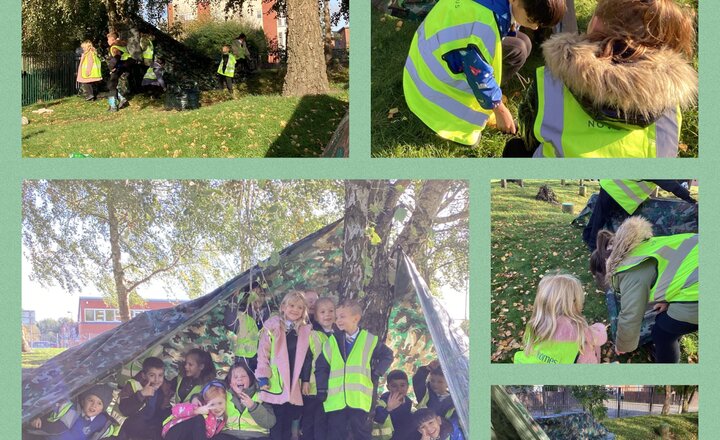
(200, 419)
(89, 72)
(557, 332)
(285, 363)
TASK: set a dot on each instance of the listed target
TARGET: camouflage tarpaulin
(668, 216)
(451, 343)
(571, 426)
(510, 420)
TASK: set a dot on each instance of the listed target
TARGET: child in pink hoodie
(557, 332)
(198, 420)
(284, 361)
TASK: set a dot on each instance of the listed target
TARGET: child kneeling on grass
(86, 420)
(557, 332)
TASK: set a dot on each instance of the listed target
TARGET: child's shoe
(113, 104)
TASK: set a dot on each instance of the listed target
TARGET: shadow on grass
(30, 135)
(310, 127)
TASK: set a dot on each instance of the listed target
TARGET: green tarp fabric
(451, 343)
(510, 420)
(573, 426)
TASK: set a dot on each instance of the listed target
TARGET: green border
(477, 171)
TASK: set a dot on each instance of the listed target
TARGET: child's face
(520, 15)
(239, 380)
(92, 405)
(398, 386)
(217, 405)
(293, 310)
(438, 384)
(110, 40)
(226, 49)
(430, 428)
(154, 377)
(347, 321)
(325, 314)
(192, 367)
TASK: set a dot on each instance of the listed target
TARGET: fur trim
(662, 79)
(631, 232)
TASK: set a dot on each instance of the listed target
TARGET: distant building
(96, 317)
(28, 317)
(257, 13)
(342, 38)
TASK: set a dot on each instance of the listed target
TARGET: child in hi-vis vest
(89, 72)
(248, 416)
(197, 370)
(145, 401)
(203, 418)
(557, 332)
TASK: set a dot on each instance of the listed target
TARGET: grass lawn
(259, 122)
(404, 135)
(530, 238)
(38, 356)
(683, 427)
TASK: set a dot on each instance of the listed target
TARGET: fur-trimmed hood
(631, 232)
(639, 92)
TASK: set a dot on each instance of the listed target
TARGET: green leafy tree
(592, 398)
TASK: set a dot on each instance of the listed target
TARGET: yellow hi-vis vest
(149, 51)
(123, 50)
(564, 129)
(677, 266)
(549, 352)
(426, 398)
(242, 422)
(383, 431)
(150, 74)
(317, 340)
(176, 397)
(95, 71)
(248, 334)
(136, 386)
(350, 382)
(68, 418)
(229, 68)
(629, 194)
(444, 100)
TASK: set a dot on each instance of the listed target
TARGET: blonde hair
(212, 392)
(324, 300)
(559, 295)
(631, 27)
(87, 45)
(295, 295)
(352, 305)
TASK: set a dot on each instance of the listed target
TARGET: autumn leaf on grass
(392, 112)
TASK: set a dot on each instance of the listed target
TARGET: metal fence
(48, 76)
(623, 401)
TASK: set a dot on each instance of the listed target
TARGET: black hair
(397, 375)
(203, 358)
(242, 35)
(152, 362)
(245, 367)
(545, 13)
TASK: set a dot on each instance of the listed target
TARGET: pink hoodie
(275, 328)
(595, 337)
(185, 411)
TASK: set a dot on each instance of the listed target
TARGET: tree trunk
(687, 398)
(328, 34)
(306, 69)
(118, 272)
(355, 240)
(414, 236)
(668, 397)
(25, 344)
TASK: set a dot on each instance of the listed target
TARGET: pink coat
(595, 337)
(275, 327)
(185, 411)
(90, 63)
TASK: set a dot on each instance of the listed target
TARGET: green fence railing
(48, 76)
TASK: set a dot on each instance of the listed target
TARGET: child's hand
(394, 401)
(306, 388)
(246, 400)
(148, 390)
(504, 119)
(202, 410)
(660, 307)
(36, 423)
(196, 401)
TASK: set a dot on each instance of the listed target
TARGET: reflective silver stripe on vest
(667, 134)
(675, 258)
(554, 114)
(629, 192)
(692, 279)
(427, 47)
(457, 109)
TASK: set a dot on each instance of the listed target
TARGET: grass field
(683, 427)
(259, 122)
(404, 135)
(38, 356)
(529, 239)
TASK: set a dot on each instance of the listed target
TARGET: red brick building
(95, 317)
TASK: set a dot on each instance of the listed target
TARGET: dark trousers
(285, 414)
(349, 423)
(314, 421)
(603, 210)
(666, 335)
(225, 82)
(516, 147)
(516, 51)
(89, 90)
(192, 429)
(136, 427)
